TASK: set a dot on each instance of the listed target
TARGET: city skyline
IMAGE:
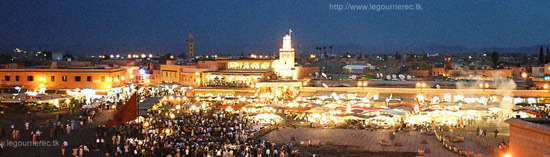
(227, 27)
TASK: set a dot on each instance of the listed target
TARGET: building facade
(529, 137)
(46, 79)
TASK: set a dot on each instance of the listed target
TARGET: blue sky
(161, 26)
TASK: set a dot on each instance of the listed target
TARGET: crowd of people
(209, 132)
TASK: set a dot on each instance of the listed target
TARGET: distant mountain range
(374, 49)
(236, 50)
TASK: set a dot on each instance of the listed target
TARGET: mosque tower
(285, 65)
(190, 45)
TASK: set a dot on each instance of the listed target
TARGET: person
(496, 133)
(68, 128)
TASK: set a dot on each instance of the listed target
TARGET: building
(284, 67)
(190, 46)
(537, 71)
(36, 79)
(529, 137)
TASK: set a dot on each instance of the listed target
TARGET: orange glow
(524, 75)
(545, 86)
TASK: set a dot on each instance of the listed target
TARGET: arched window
(265, 65)
(255, 65)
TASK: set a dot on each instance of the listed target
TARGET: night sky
(111, 26)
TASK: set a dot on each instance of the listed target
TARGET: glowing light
(167, 131)
(545, 86)
(486, 85)
(122, 78)
(150, 56)
(129, 56)
(172, 116)
(109, 86)
(287, 42)
(116, 79)
(146, 124)
(359, 84)
(108, 79)
(197, 73)
(41, 85)
(524, 75)
(42, 78)
(142, 71)
(506, 155)
(132, 76)
(143, 56)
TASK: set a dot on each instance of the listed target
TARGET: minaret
(190, 45)
(286, 57)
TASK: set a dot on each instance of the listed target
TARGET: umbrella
(357, 111)
(315, 104)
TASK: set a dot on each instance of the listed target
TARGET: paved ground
(369, 141)
(80, 136)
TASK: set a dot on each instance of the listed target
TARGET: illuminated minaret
(286, 58)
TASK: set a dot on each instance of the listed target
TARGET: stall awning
(148, 103)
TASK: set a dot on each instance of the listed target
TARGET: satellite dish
(324, 75)
(316, 73)
(394, 76)
(388, 77)
(353, 77)
(401, 77)
(325, 85)
(409, 77)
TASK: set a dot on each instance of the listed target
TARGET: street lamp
(484, 85)
(524, 75)
(362, 84)
(420, 85)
